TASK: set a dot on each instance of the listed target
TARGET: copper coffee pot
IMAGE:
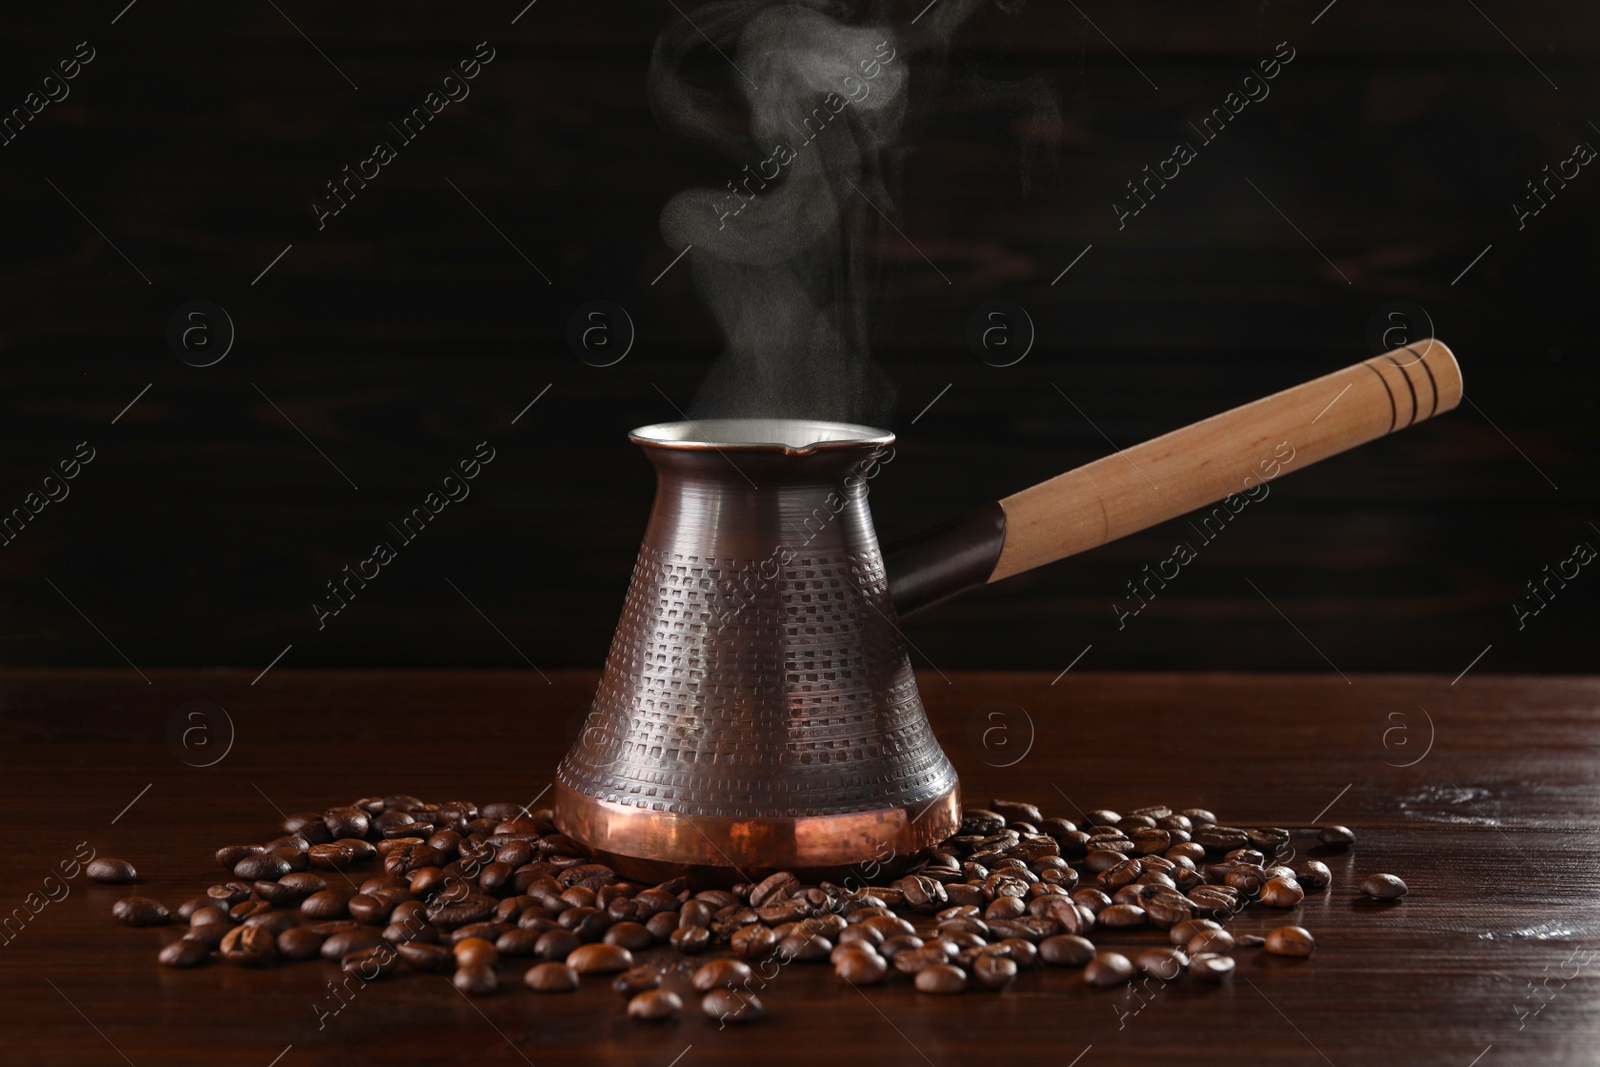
(758, 710)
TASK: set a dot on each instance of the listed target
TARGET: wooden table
(1490, 959)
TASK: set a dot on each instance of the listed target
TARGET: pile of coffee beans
(390, 885)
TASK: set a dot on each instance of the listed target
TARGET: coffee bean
(344, 942)
(600, 958)
(1383, 887)
(1183, 933)
(1210, 942)
(1282, 893)
(261, 866)
(476, 981)
(551, 978)
(346, 822)
(1066, 950)
(556, 945)
(371, 963)
(326, 904)
(1199, 816)
(449, 912)
(1121, 917)
(1210, 966)
(184, 952)
(655, 1005)
(274, 920)
(474, 952)
(942, 978)
(1163, 963)
(1291, 941)
(423, 956)
(1218, 840)
(1108, 969)
(637, 979)
(1268, 839)
(859, 965)
(728, 1006)
(229, 893)
(993, 971)
(249, 945)
(807, 948)
(690, 940)
(246, 908)
(330, 856)
(1340, 837)
(721, 972)
(110, 871)
(1313, 876)
(300, 943)
(140, 911)
(630, 935)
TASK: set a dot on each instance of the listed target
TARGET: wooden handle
(1227, 454)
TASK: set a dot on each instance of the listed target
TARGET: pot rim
(785, 436)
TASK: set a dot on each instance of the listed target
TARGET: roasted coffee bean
(1210, 941)
(1189, 850)
(411, 858)
(300, 943)
(346, 822)
(556, 945)
(992, 970)
(1163, 963)
(518, 942)
(343, 942)
(228, 855)
(691, 940)
(1268, 839)
(229, 893)
(631, 936)
(1108, 969)
(859, 965)
(1104, 859)
(423, 956)
(1245, 855)
(1093, 899)
(209, 934)
(274, 921)
(249, 946)
(332, 856)
(655, 1005)
(942, 978)
(723, 972)
(474, 952)
(1313, 876)
(246, 908)
(1121, 917)
(110, 871)
(371, 963)
(728, 1006)
(447, 914)
(1383, 887)
(600, 958)
(1167, 909)
(309, 825)
(1291, 941)
(753, 942)
(1017, 811)
(327, 904)
(1101, 817)
(209, 914)
(1149, 841)
(806, 948)
(637, 979)
(1219, 840)
(1199, 816)
(184, 952)
(1066, 950)
(1282, 893)
(1210, 966)
(477, 981)
(551, 978)
(266, 866)
(1340, 837)
(1186, 931)
(371, 910)
(775, 888)
(140, 911)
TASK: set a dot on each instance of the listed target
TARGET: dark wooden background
(409, 330)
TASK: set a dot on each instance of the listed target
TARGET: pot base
(654, 846)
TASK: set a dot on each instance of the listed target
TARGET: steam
(801, 100)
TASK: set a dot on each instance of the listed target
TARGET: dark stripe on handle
(1390, 392)
(936, 564)
(1434, 410)
(1415, 407)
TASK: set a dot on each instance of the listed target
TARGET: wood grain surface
(1488, 961)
